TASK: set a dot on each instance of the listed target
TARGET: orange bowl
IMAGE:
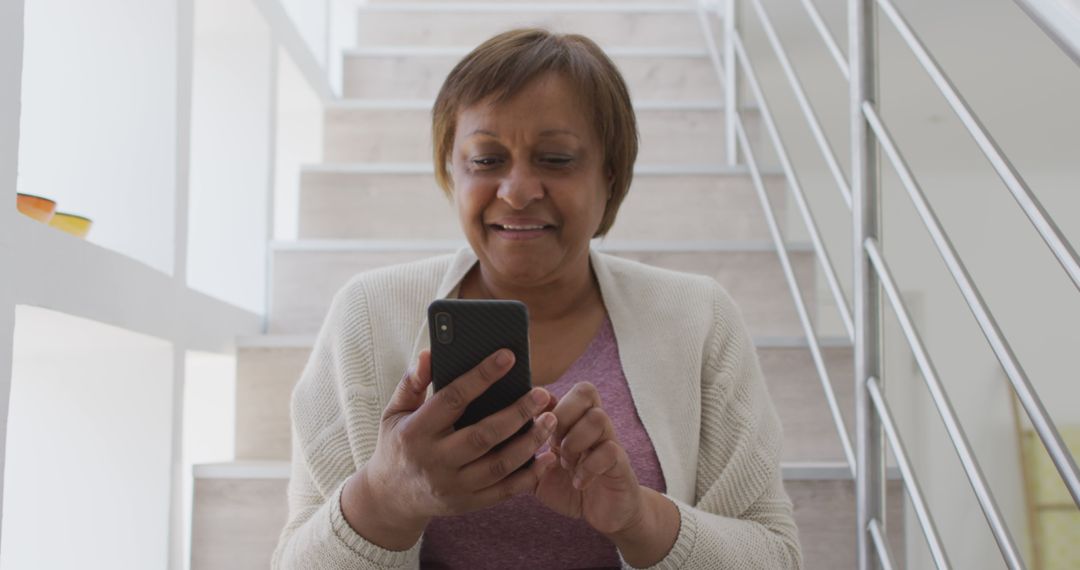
(77, 226)
(41, 209)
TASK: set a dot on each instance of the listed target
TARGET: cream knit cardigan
(690, 365)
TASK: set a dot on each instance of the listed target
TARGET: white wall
(311, 19)
(11, 41)
(230, 153)
(1025, 90)
(209, 422)
(88, 445)
(98, 118)
(299, 142)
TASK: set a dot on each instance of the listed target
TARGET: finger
(450, 402)
(604, 459)
(571, 407)
(524, 481)
(591, 430)
(471, 443)
(412, 390)
(499, 465)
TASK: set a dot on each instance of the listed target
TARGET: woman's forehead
(547, 107)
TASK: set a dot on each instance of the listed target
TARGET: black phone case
(479, 328)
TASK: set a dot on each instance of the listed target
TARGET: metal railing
(861, 193)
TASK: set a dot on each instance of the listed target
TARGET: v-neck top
(523, 533)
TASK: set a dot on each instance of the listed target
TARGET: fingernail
(577, 482)
(539, 396)
(545, 461)
(502, 358)
(547, 422)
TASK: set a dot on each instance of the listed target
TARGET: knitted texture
(688, 360)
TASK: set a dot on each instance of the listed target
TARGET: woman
(654, 437)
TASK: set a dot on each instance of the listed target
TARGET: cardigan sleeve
(741, 517)
(317, 536)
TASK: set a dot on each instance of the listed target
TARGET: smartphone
(463, 333)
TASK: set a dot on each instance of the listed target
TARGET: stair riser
(441, 28)
(264, 381)
(825, 514)
(404, 135)
(305, 281)
(266, 376)
(795, 389)
(664, 78)
(237, 522)
(402, 206)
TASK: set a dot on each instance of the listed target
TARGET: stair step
(388, 131)
(418, 73)
(339, 204)
(269, 366)
(306, 274)
(240, 509)
(470, 24)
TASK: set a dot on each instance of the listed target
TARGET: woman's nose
(520, 187)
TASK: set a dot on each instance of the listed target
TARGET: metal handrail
(1031, 402)
(1044, 224)
(796, 188)
(911, 483)
(874, 421)
(804, 104)
(793, 285)
(710, 47)
(956, 433)
(826, 36)
(1056, 28)
(884, 554)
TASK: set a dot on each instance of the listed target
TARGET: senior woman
(654, 439)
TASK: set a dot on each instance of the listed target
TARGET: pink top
(522, 533)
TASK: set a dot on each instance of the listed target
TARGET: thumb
(411, 392)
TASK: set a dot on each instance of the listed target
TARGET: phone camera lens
(444, 329)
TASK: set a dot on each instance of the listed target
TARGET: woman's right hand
(422, 467)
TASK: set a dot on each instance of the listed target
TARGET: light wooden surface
(336, 205)
(236, 523)
(461, 28)
(305, 282)
(238, 520)
(266, 376)
(372, 134)
(382, 76)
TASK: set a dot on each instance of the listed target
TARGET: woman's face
(529, 183)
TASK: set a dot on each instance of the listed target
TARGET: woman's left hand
(592, 478)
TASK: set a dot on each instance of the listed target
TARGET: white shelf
(56, 271)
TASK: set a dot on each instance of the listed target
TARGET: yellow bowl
(77, 226)
(41, 209)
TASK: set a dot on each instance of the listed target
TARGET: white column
(865, 208)
(185, 26)
(11, 50)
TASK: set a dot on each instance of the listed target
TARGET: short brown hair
(501, 66)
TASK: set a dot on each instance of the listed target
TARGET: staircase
(685, 211)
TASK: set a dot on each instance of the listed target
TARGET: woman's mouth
(521, 232)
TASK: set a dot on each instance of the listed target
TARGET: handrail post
(731, 85)
(869, 440)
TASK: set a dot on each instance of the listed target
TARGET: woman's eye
(484, 161)
(557, 160)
